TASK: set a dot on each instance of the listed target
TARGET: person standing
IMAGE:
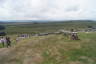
(8, 42)
(2, 41)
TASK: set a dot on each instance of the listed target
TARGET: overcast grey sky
(47, 9)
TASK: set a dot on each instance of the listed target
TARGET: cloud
(47, 9)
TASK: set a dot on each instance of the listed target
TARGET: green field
(29, 27)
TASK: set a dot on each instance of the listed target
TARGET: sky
(47, 9)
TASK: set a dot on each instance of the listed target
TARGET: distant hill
(43, 21)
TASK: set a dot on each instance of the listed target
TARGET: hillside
(52, 49)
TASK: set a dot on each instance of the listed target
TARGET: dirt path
(3, 52)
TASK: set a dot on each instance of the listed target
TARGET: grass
(53, 49)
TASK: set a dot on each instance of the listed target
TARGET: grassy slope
(52, 49)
